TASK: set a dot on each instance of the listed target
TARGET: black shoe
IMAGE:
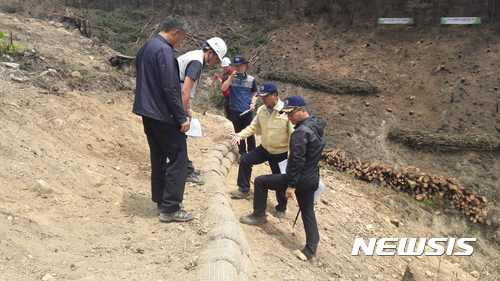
(306, 253)
(194, 178)
(158, 207)
(253, 220)
(180, 216)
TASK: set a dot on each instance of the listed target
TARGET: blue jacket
(241, 93)
(158, 89)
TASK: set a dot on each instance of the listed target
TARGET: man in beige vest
(276, 130)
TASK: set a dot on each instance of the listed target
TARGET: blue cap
(292, 103)
(266, 89)
(239, 60)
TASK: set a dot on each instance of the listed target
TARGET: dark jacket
(158, 89)
(306, 146)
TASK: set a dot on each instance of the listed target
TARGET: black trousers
(240, 123)
(225, 106)
(190, 167)
(257, 156)
(279, 182)
(168, 178)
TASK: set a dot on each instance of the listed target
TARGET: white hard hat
(225, 62)
(218, 46)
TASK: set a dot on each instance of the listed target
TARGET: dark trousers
(240, 123)
(279, 182)
(257, 156)
(190, 168)
(225, 106)
(168, 179)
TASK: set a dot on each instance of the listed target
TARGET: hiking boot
(197, 172)
(279, 214)
(195, 179)
(253, 220)
(306, 253)
(181, 215)
(239, 195)
(158, 208)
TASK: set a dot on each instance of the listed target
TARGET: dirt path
(273, 244)
(345, 210)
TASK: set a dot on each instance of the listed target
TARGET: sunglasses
(295, 110)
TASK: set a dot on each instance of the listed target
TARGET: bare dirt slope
(438, 79)
(74, 188)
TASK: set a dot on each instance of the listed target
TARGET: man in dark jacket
(302, 173)
(158, 100)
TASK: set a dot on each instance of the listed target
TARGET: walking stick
(296, 217)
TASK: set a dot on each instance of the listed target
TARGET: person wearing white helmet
(227, 71)
(191, 65)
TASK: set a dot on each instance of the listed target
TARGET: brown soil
(415, 93)
(74, 192)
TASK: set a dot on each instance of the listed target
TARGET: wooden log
(413, 182)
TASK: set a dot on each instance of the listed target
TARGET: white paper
(321, 185)
(195, 129)
(282, 165)
(318, 191)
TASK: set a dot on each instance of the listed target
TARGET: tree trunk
(278, 8)
(492, 16)
(351, 13)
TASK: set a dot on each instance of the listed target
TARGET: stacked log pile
(444, 142)
(420, 186)
(351, 86)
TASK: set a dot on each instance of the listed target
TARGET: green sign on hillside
(458, 20)
(395, 21)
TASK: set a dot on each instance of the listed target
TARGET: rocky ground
(74, 186)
